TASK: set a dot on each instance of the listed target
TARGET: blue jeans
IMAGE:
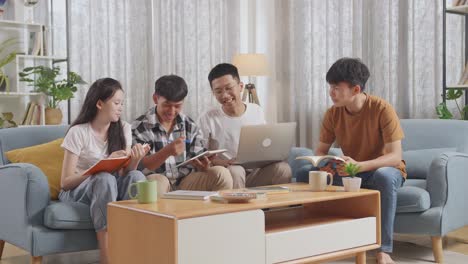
(100, 189)
(387, 180)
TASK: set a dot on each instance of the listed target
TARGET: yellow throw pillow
(48, 157)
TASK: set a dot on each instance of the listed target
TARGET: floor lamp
(251, 64)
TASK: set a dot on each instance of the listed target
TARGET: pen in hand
(188, 141)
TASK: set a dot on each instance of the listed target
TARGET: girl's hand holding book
(118, 153)
(138, 151)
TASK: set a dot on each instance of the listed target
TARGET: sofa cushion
(419, 161)
(412, 199)
(61, 215)
(48, 157)
(421, 183)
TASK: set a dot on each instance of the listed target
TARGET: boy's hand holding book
(203, 163)
(329, 163)
(223, 162)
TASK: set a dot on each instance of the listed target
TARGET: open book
(108, 165)
(188, 195)
(317, 160)
(207, 154)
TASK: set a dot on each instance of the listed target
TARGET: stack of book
(32, 116)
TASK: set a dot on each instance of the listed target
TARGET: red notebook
(108, 165)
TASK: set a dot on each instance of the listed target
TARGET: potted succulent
(352, 183)
(6, 56)
(46, 82)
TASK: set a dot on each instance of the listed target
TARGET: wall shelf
(33, 38)
(457, 10)
(18, 94)
(36, 57)
(457, 86)
(10, 24)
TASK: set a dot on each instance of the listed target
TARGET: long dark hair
(102, 89)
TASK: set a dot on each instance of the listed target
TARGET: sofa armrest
(24, 194)
(447, 184)
(447, 177)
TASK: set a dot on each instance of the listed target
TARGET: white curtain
(190, 38)
(137, 41)
(400, 41)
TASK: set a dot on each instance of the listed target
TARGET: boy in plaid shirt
(174, 137)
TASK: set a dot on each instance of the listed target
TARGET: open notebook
(108, 165)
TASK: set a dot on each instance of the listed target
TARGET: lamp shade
(251, 64)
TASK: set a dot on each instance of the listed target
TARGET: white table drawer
(321, 237)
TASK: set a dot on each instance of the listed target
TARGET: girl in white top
(99, 133)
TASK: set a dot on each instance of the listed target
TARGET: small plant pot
(352, 184)
(53, 116)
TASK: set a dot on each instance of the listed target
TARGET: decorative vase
(352, 184)
(53, 116)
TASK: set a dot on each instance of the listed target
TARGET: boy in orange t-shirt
(368, 131)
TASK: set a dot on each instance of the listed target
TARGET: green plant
(442, 110)
(352, 169)
(7, 117)
(6, 56)
(46, 82)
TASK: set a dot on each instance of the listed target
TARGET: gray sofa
(433, 199)
(28, 218)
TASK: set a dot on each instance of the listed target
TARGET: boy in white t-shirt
(221, 127)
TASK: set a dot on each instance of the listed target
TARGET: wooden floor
(456, 241)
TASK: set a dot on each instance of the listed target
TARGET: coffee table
(298, 227)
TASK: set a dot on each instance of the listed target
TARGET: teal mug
(146, 191)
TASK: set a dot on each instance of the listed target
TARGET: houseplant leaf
(443, 112)
(453, 94)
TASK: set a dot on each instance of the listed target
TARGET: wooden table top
(180, 209)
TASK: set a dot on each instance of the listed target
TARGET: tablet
(207, 154)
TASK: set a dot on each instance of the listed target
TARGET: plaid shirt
(148, 129)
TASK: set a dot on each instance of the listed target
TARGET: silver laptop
(261, 145)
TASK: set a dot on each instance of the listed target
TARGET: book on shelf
(28, 115)
(320, 161)
(36, 118)
(188, 195)
(464, 76)
(25, 116)
(108, 165)
(34, 114)
(35, 43)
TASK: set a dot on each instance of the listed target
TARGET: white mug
(318, 180)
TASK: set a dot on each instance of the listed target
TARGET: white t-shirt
(222, 131)
(81, 140)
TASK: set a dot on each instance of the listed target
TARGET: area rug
(406, 252)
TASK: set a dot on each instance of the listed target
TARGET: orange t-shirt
(362, 135)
